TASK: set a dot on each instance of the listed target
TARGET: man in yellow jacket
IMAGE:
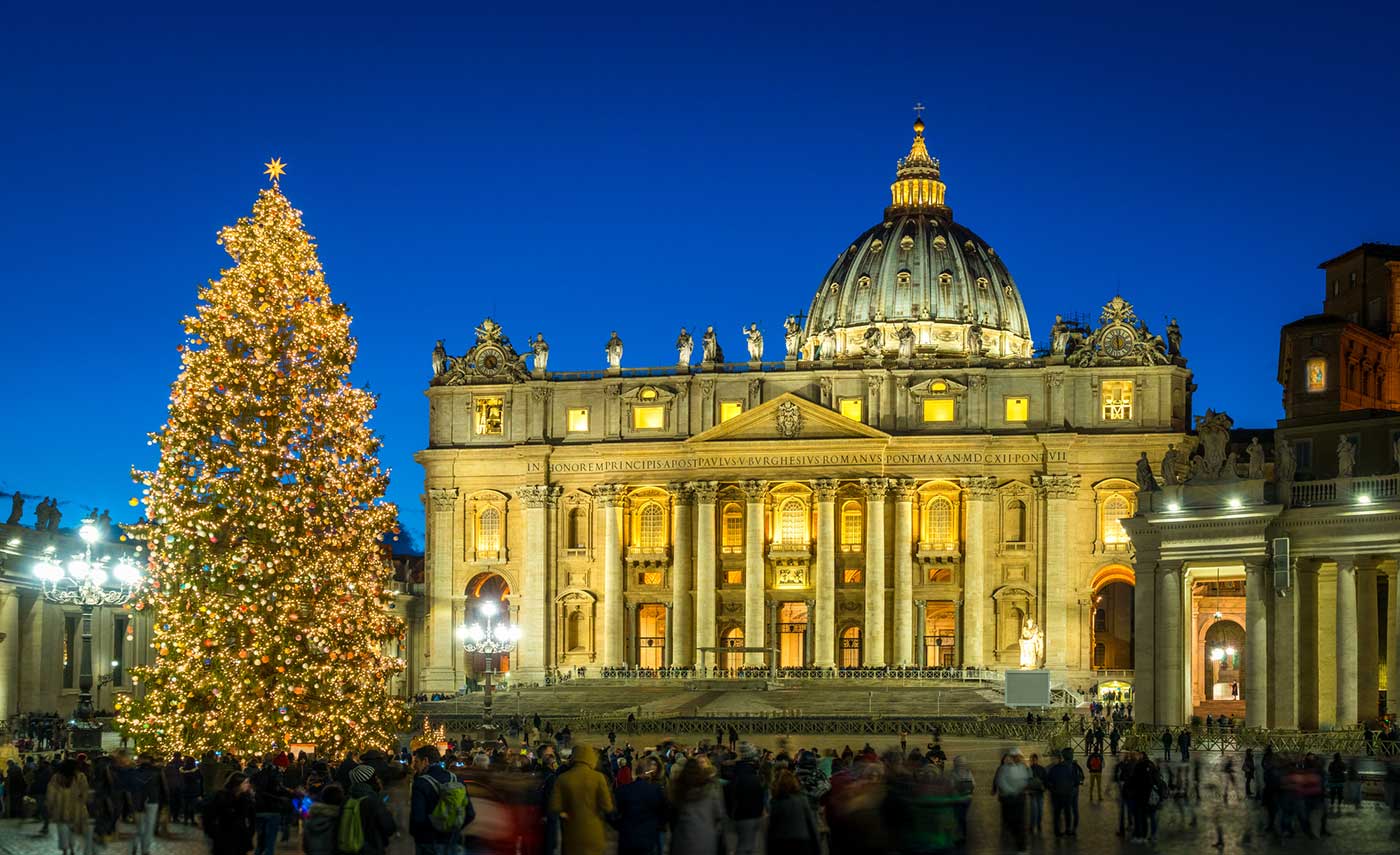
(582, 799)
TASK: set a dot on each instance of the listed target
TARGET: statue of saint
(1230, 471)
(685, 345)
(828, 344)
(1170, 461)
(1256, 459)
(975, 345)
(1346, 458)
(1059, 336)
(541, 351)
(755, 342)
(1032, 645)
(906, 343)
(614, 351)
(1146, 483)
(709, 347)
(1173, 339)
(439, 359)
(792, 337)
(1285, 464)
(16, 508)
(873, 341)
(55, 516)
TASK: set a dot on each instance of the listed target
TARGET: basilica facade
(909, 482)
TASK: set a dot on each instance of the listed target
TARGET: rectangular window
(852, 576)
(70, 650)
(651, 417)
(1117, 400)
(489, 416)
(119, 623)
(850, 408)
(651, 578)
(729, 409)
(1317, 374)
(734, 577)
(1018, 409)
(578, 420)
(938, 409)
(1302, 455)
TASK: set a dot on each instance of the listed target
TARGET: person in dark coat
(792, 822)
(228, 817)
(191, 790)
(744, 797)
(641, 810)
(43, 773)
(320, 834)
(378, 824)
(15, 789)
(1062, 780)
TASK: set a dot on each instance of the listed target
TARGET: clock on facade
(1117, 342)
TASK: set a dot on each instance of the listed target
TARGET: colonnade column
(1346, 642)
(534, 583)
(1283, 669)
(979, 491)
(1256, 647)
(824, 614)
(439, 675)
(1368, 662)
(704, 493)
(1170, 688)
(1144, 636)
(680, 638)
(9, 653)
(1059, 492)
(1392, 640)
(610, 498)
(754, 492)
(873, 654)
(903, 572)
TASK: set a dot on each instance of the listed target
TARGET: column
(680, 639)
(873, 648)
(903, 573)
(610, 499)
(704, 494)
(631, 635)
(1305, 586)
(1170, 688)
(1368, 643)
(1144, 637)
(1392, 640)
(808, 638)
(534, 595)
(920, 609)
(1256, 644)
(754, 492)
(822, 620)
(1283, 659)
(1346, 642)
(979, 491)
(668, 642)
(439, 675)
(9, 653)
(1059, 492)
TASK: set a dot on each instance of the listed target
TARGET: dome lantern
(917, 186)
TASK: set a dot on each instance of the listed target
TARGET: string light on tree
(264, 517)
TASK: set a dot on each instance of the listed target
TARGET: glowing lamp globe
(77, 568)
(97, 575)
(488, 609)
(47, 571)
(126, 572)
(462, 633)
(89, 533)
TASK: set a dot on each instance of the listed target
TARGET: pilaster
(903, 490)
(1256, 611)
(534, 596)
(440, 675)
(824, 613)
(705, 582)
(681, 639)
(610, 498)
(873, 638)
(1059, 492)
(755, 493)
(979, 491)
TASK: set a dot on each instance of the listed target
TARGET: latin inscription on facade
(791, 461)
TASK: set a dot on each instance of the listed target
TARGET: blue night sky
(577, 174)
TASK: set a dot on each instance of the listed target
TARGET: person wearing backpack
(1063, 780)
(321, 828)
(438, 805)
(1095, 763)
(376, 824)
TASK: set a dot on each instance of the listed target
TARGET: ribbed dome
(920, 268)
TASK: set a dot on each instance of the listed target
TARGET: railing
(1337, 491)
(763, 672)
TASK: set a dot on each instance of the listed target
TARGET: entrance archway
(1224, 661)
(729, 660)
(484, 589)
(850, 647)
(651, 635)
(1111, 620)
(792, 635)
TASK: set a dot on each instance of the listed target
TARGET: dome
(918, 268)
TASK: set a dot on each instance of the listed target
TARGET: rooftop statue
(1146, 483)
(439, 359)
(1256, 458)
(1285, 464)
(1171, 461)
(1346, 458)
(905, 335)
(873, 341)
(755, 343)
(1214, 431)
(613, 351)
(792, 337)
(710, 351)
(541, 351)
(685, 345)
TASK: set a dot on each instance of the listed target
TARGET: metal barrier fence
(961, 675)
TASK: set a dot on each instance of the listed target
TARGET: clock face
(1117, 342)
(489, 362)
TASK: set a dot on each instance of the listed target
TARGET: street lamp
(87, 582)
(491, 639)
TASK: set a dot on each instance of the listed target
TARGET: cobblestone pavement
(1371, 830)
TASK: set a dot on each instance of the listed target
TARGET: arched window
(850, 647)
(573, 631)
(733, 536)
(852, 526)
(730, 659)
(1016, 521)
(1100, 620)
(653, 527)
(488, 531)
(938, 521)
(577, 537)
(1115, 508)
(792, 522)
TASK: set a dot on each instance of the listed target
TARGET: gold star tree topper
(275, 169)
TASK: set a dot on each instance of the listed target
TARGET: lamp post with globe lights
(88, 582)
(491, 639)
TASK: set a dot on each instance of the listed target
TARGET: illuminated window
(1317, 374)
(792, 522)
(652, 534)
(729, 409)
(1018, 409)
(651, 417)
(1016, 521)
(651, 578)
(1115, 508)
(489, 419)
(578, 419)
(850, 408)
(1117, 400)
(938, 386)
(938, 522)
(647, 394)
(488, 532)
(733, 537)
(852, 527)
(850, 647)
(734, 577)
(852, 576)
(938, 409)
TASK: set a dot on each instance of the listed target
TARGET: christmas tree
(265, 517)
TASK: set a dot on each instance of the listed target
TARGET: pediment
(788, 416)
